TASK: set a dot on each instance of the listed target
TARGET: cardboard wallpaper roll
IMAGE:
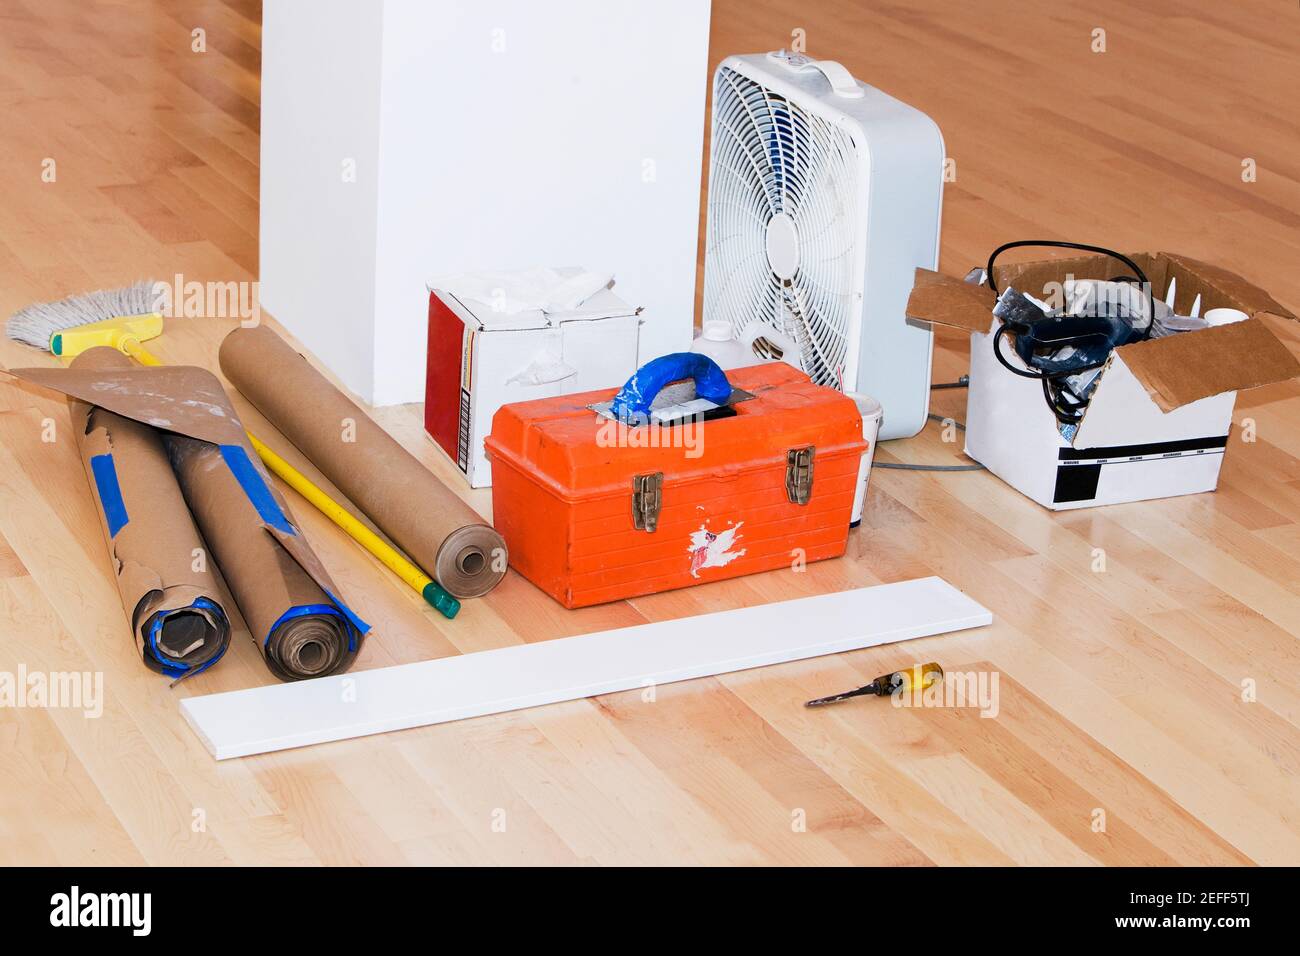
(168, 589)
(290, 614)
(402, 497)
(292, 608)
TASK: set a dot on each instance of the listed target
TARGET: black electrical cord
(1066, 406)
(960, 383)
(1061, 244)
(902, 467)
(1053, 399)
(1023, 373)
(963, 382)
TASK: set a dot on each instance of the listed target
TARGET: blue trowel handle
(634, 398)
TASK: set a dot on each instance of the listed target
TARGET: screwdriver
(924, 674)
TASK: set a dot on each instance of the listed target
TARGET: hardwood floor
(1123, 734)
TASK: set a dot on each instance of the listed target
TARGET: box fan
(824, 197)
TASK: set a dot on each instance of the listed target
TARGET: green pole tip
(438, 596)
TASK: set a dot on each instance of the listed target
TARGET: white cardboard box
(1127, 449)
(480, 359)
(404, 138)
(1157, 425)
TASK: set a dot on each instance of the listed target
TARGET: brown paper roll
(292, 608)
(291, 617)
(402, 497)
(168, 589)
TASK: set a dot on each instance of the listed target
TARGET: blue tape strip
(170, 667)
(354, 623)
(250, 479)
(360, 626)
(300, 611)
(110, 492)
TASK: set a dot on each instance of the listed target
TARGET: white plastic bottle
(872, 414)
(717, 342)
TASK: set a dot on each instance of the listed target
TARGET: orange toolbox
(603, 496)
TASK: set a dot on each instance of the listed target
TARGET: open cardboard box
(1158, 422)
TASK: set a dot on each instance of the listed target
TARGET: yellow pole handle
(424, 585)
(331, 509)
(131, 346)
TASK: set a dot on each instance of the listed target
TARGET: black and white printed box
(1158, 420)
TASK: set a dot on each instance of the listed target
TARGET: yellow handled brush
(71, 326)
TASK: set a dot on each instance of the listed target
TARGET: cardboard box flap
(1038, 276)
(1175, 370)
(523, 298)
(557, 319)
(1180, 369)
(603, 305)
(488, 321)
(1219, 286)
(949, 301)
(483, 317)
(1251, 297)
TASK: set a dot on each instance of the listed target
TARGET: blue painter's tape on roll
(174, 668)
(356, 626)
(301, 611)
(110, 492)
(360, 626)
(250, 479)
(634, 399)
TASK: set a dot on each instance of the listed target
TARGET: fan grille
(769, 157)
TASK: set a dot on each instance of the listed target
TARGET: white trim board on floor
(278, 717)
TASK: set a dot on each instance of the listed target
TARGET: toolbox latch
(799, 474)
(647, 496)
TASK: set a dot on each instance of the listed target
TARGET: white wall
(320, 107)
(503, 134)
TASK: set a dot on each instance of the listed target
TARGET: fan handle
(841, 80)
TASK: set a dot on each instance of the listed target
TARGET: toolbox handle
(634, 398)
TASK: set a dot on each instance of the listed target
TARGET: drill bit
(864, 691)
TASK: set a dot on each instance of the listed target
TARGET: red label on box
(446, 384)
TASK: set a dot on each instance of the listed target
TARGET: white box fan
(824, 197)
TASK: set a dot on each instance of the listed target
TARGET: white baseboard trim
(281, 716)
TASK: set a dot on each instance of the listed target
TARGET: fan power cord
(944, 421)
(963, 382)
(899, 466)
(902, 467)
